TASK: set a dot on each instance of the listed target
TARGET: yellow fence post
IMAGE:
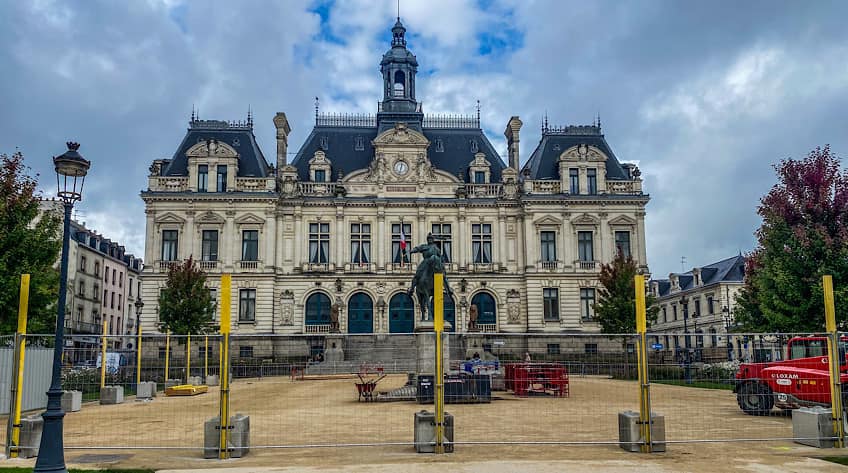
(224, 398)
(103, 354)
(439, 326)
(138, 361)
(18, 381)
(833, 357)
(167, 356)
(645, 421)
(188, 357)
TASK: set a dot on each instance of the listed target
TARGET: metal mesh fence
(341, 389)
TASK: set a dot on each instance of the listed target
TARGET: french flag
(402, 245)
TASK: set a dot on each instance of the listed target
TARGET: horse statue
(422, 284)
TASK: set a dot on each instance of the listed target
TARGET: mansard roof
(727, 270)
(544, 162)
(239, 135)
(450, 149)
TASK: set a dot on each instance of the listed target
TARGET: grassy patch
(839, 460)
(695, 384)
(28, 470)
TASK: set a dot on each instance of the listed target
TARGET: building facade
(700, 302)
(100, 278)
(522, 244)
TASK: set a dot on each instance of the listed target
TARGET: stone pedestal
(145, 390)
(111, 395)
(212, 380)
(334, 348)
(238, 441)
(71, 401)
(474, 344)
(30, 438)
(195, 380)
(425, 344)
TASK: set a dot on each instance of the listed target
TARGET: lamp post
(71, 169)
(138, 306)
(728, 318)
(687, 357)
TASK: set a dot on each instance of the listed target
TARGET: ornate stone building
(523, 244)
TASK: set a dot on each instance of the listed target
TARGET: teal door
(318, 309)
(401, 314)
(486, 311)
(360, 314)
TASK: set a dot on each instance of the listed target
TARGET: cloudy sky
(705, 96)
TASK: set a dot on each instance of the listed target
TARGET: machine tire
(755, 399)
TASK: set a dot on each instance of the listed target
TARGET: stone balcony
(360, 267)
(483, 190)
(208, 265)
(548, 265)
(581, 265)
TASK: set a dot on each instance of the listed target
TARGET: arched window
(399, 85)
(360, 313)
(486, 310)
(401, 314)
(318, 309)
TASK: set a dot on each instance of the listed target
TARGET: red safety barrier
(525, 379)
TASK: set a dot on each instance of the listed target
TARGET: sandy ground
(290, 414)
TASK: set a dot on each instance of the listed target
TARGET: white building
(523, 243)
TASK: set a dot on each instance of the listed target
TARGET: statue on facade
(422, 284)
(472, 318)
(334, 317)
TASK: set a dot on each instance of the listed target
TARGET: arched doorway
(401, 314)
(318, 309)
(486, 309)
(360, 313)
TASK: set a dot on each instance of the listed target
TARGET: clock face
(401, 167)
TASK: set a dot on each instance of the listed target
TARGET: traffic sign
(657, 346)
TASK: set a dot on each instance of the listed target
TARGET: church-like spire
(398, 32)
(399, 67)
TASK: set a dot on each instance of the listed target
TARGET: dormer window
(479, 170)
(221, 183)
(320, 167)
(202, 178)
(320, 175)
(474, 146)
(323, 143)
(479, 177)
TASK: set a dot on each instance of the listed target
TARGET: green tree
(29, 243)
(615, 310)
(185, 304)
(804, 235)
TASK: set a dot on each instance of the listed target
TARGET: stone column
(227, 258)
(340, 237)
(298, 237)
(530, 256)
(154, 246)
(190, 237)
(502, 251)
(462, 244)
(269, 237)
(512, 138)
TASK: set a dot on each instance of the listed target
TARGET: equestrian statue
(432, 262)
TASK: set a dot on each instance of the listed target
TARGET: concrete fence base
(212, 380)
(111, 395)
(238, 440)
(145, 390)
(195, 380)
(71, 401)
(30, 439)
(813, 426)
(630, 432)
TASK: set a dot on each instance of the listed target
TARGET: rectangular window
(550, 298)
(245, 352)
(114, 273)
(112, 303)
(79, 314)
(481, 242)
(82, 264)
(442, 233)
(697, 307)
(360, 243)
(129, 287)
(622, 243)
(120, 300)
(250, 245)
(591, 348)
(106, 274)
(82, 288)
(202, 178)
(161, 353)
(213, 297)
(320, 175)
(710, 305)
(548, 244)
(169, 245)
(209, 247)
(399, 256)
(553, 349)
(95, 292)
(574, 180)
(105, 297)
(587, 303)
(665, 315)
(479, 177)
(247, 305)
(592, 181)
(585, 248)
(222, 178)
(96, 268)
(121, 279)
(319, 243)
(674, 311)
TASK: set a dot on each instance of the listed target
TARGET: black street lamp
(687, 360)
(728, 319)
(71, 169)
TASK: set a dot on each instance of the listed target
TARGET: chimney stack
(511, 134)
(283, 130)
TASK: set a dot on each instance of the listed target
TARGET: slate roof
(239, 135)
(544, 162)
(727, 270)
(341, 150)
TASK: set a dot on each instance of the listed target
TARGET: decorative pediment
(480, 161)
(170, 218)
(211, 218)
(622, 220)
(583, 152)
(585, 219)
(248, 219)
(400, 135)
(319, 158)
(211, 148)
(548, 220)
